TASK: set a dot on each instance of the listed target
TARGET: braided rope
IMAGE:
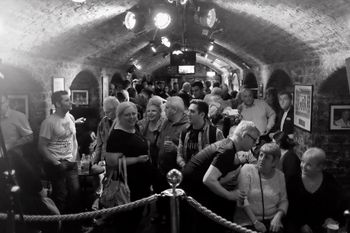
(85, 215)
(218, 219)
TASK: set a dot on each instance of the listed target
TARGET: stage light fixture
(153, 47)
(165, 41)
(130, 20)
(162, 20)
(183, 2)
(206, 16)
(211, 46)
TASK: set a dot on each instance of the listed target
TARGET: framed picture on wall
(339, 117)
(19, 103)
(303, 106)
(80, 97)
(57, 84)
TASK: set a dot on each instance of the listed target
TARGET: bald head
(313, 162)
(317, 154)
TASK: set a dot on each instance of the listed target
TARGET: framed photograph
(303, 106)
(339, 117)
(19, 103)
(57, 84)
(80, 97)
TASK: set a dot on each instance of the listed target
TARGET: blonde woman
(126, 140)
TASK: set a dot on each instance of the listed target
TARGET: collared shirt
(260, 113)
(14, 126)
(284, 116)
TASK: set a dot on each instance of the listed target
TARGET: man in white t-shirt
(58, 145)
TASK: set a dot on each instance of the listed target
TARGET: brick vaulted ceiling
(249, 32)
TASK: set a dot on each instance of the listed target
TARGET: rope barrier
(85, 215)
(218, 219)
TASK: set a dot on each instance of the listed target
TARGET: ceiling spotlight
(211, 18)
(183, 2)
(130, 20)
(134, 20)
(211, 46)
(162, 20)
(79, 1)
(206, 16)
(153, 47)
(165, 41)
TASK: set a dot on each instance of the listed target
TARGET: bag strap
(122, 172)
(262, 197)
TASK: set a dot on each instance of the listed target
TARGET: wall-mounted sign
(303, 106)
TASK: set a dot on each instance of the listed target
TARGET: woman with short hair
(266, 197)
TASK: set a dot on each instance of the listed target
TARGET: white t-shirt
(59, 131)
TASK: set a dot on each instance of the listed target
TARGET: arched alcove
(280, 80)
(249, 81)
(26, 94)
(86, 103)
(336, 84)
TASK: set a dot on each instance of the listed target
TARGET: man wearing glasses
(204, 173)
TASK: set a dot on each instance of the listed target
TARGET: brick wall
(330, 87)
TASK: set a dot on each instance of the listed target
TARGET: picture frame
(339, 117)
(57, 84)
(80, 97)
(19, 103)
(303, 98)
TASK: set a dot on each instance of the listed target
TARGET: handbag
(116, 191)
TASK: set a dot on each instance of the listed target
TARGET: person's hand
(259, 226)
(306, 229)
(276, 224)
(169, 146)
(80, 120)
(237, 195)
(180, 161)
(142, 158)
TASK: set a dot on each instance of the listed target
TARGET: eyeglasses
(256, 140)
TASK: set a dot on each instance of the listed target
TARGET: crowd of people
(235, 152)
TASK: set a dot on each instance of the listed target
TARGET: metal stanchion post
(347, 219)
(174, 178)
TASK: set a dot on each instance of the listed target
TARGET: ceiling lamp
(130, 20)
(162, 20)
(79, 1)
(134, 20)
(206, 16)
(165, 41)
(153, 47)
(211, 45)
